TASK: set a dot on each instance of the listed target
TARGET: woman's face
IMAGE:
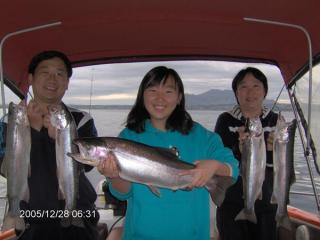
(160, 101)
(250, 94)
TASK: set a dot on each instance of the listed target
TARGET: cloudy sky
(118, 83)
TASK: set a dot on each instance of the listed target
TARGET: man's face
(49, 81)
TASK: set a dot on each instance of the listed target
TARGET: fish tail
(247, 215)
(284, 221)
(11, 221)
(217, 187)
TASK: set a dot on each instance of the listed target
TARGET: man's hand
(35, 115)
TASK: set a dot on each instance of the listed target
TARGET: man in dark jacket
(49, 74)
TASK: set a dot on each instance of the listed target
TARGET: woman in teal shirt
(159, 119)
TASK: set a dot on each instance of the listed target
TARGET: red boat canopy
(102, 31)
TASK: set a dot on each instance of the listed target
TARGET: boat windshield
(302, 93)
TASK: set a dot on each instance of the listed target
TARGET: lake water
(110, 122)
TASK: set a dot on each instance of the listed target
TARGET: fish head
(90, 150)
(255, 127)
(58, 116)
(20, 111)
(281, 132)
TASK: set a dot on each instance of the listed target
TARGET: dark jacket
(226, 126)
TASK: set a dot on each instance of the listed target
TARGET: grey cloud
(198, 77)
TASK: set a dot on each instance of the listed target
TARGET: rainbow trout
(67, 169)
(283, 169)
(253, 164)
(152, 166)
(16, 164)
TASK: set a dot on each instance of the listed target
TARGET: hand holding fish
(243, 135)
(35, 115)
(204, 171)
(108, 166)
(47, 124)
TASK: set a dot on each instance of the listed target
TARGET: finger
(186, 172)
(100, 166)
(196, 162)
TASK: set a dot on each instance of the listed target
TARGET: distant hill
(211, 100)
(211, 97)
(215, 100)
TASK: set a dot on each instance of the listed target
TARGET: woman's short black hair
(179, 120)
(255, 72)
(46, 55)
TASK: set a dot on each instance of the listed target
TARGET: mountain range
(214, 99)
(210, 100)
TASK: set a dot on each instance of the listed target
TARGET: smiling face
(250, 94)
(160, 101)
(49, 81)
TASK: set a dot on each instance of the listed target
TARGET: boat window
(302, 93)
(108, 91)
(9, 97)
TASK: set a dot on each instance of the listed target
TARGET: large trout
(155, 167)
(16, 164)
(67, 169)
(253, 164)
(283, 169)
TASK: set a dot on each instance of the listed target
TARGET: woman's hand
(108, 166)
(270, 141)
(243, 135)
(204, 171)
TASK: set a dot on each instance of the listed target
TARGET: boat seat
(302, 233)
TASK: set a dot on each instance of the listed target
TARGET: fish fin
(20, 224)
(155, 190)
(74, 221)
(60, 194)
(260, 196)
(8, 222)
(273, 199)
(26, 195)
(78, 222)
(3, 169)
(168, 153)
(187, 189)
(284, 221)
(11, 221)
(217, 187)
(65, 222)
(246, 215)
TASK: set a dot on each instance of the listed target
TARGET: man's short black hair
(45, 55)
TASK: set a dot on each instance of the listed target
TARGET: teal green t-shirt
(175, 215)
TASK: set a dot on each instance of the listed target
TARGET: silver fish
(155, 167)
(283, 169)
(16, 164)
(253, 164)
(67, 169)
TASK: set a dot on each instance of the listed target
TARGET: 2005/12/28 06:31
(57, 213)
